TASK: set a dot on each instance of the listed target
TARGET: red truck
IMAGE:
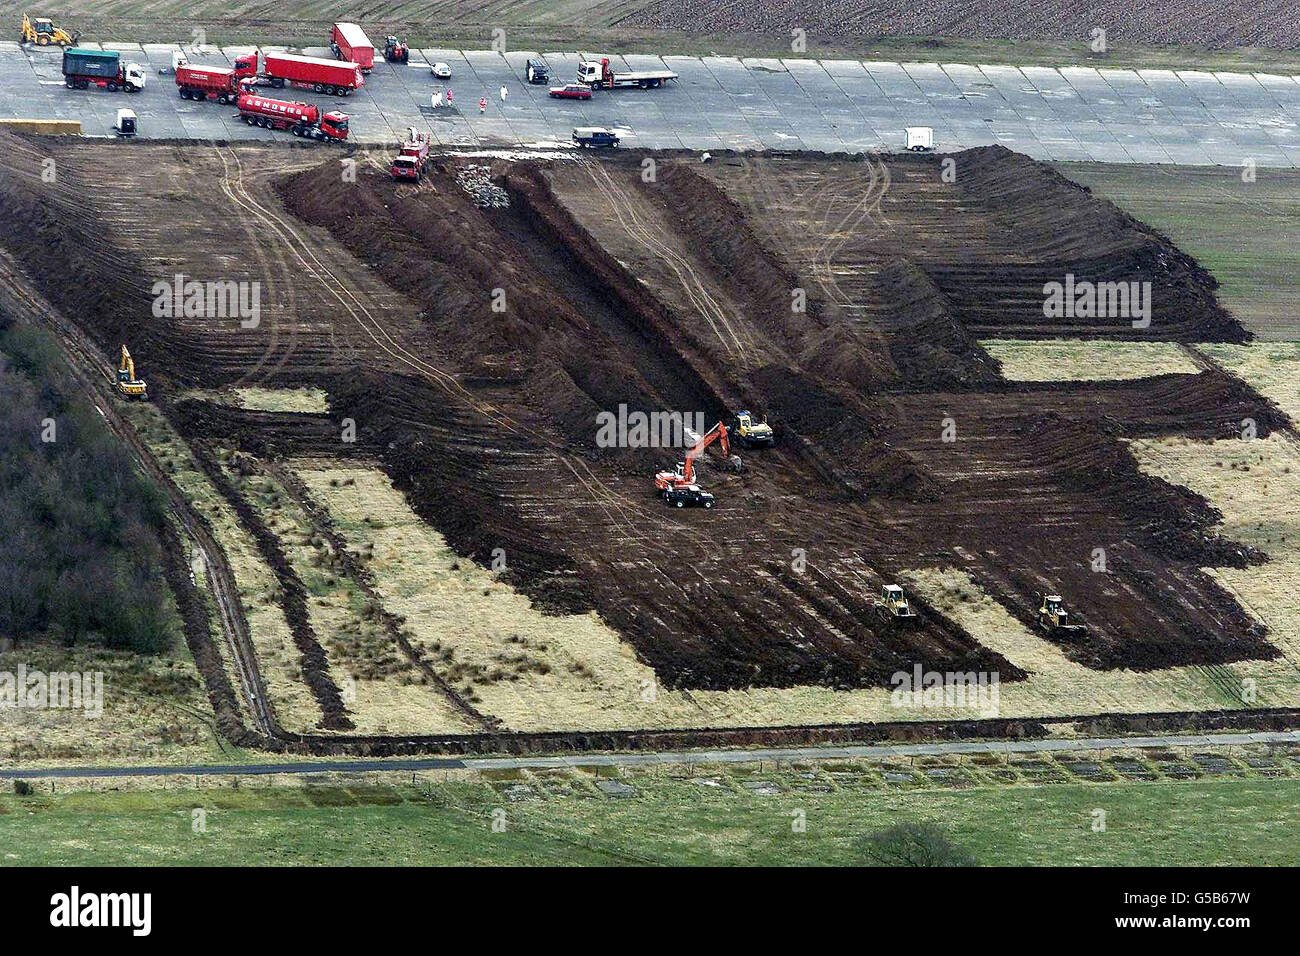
(304, 72)
(301, 119)
(413, 160)
(349, 42)
(207, 82)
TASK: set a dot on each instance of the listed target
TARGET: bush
(913, 844)
(23, 788)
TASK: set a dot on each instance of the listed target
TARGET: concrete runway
(1072, 113)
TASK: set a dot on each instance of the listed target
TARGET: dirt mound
(75, 261)
(266, 434)
(1054, 229)
(1176, 521)
(847, 432)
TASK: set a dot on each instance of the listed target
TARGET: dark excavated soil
(860, 484)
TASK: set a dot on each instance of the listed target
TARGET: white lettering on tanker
(219, 299)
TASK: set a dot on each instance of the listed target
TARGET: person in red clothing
(482, 104)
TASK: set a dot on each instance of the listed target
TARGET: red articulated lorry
(305, 72)
(301, 119)
(349, 42)
(207, 82)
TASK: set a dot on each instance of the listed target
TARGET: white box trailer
(920, 139)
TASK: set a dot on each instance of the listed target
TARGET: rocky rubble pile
(477, 181)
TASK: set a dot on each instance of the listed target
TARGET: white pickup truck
(598, 74)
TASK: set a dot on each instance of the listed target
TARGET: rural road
(1083, 113)
(881, 752)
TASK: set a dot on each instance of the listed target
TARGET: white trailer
(598, 75)
(920, 139)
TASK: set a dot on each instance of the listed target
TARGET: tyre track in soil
(82, 354)
(672, 601)
(323, 524)
(604, 497)
(292, 596)
(705, 304)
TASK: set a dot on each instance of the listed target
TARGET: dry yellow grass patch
(153, 707)
(283, 399)
(530, 670)
(1075, 360)
(1256, 484)
(540, 672)
(382, 690)
(278, 656)
(1271, 368)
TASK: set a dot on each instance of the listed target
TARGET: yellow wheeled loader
(893, 606)
(43, 32)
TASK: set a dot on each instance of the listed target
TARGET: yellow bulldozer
(1054, 618)
(43, 32)
(127, 384)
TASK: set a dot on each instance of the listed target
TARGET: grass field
(1241, 231)
(1076, 360)
(589, 25)
(711, 820)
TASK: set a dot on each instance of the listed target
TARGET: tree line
(80, 526)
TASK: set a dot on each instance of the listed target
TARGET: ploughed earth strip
(474, 349)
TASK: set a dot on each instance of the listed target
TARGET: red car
(573, 91)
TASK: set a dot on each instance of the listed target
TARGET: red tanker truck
(349, 42)
(304, 72)
(301, 119)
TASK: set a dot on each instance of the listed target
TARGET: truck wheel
(708, 504)
(679, 503)
(184, 93)
(644, 84)
(112, 87)
(657, 83)
(278, 83)
(223, 99)
(71, 85)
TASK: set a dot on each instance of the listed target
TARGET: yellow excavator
(127, 384)
(43, 32)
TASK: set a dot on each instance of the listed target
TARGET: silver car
(441, 70)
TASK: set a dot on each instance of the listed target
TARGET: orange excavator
(672, 483)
